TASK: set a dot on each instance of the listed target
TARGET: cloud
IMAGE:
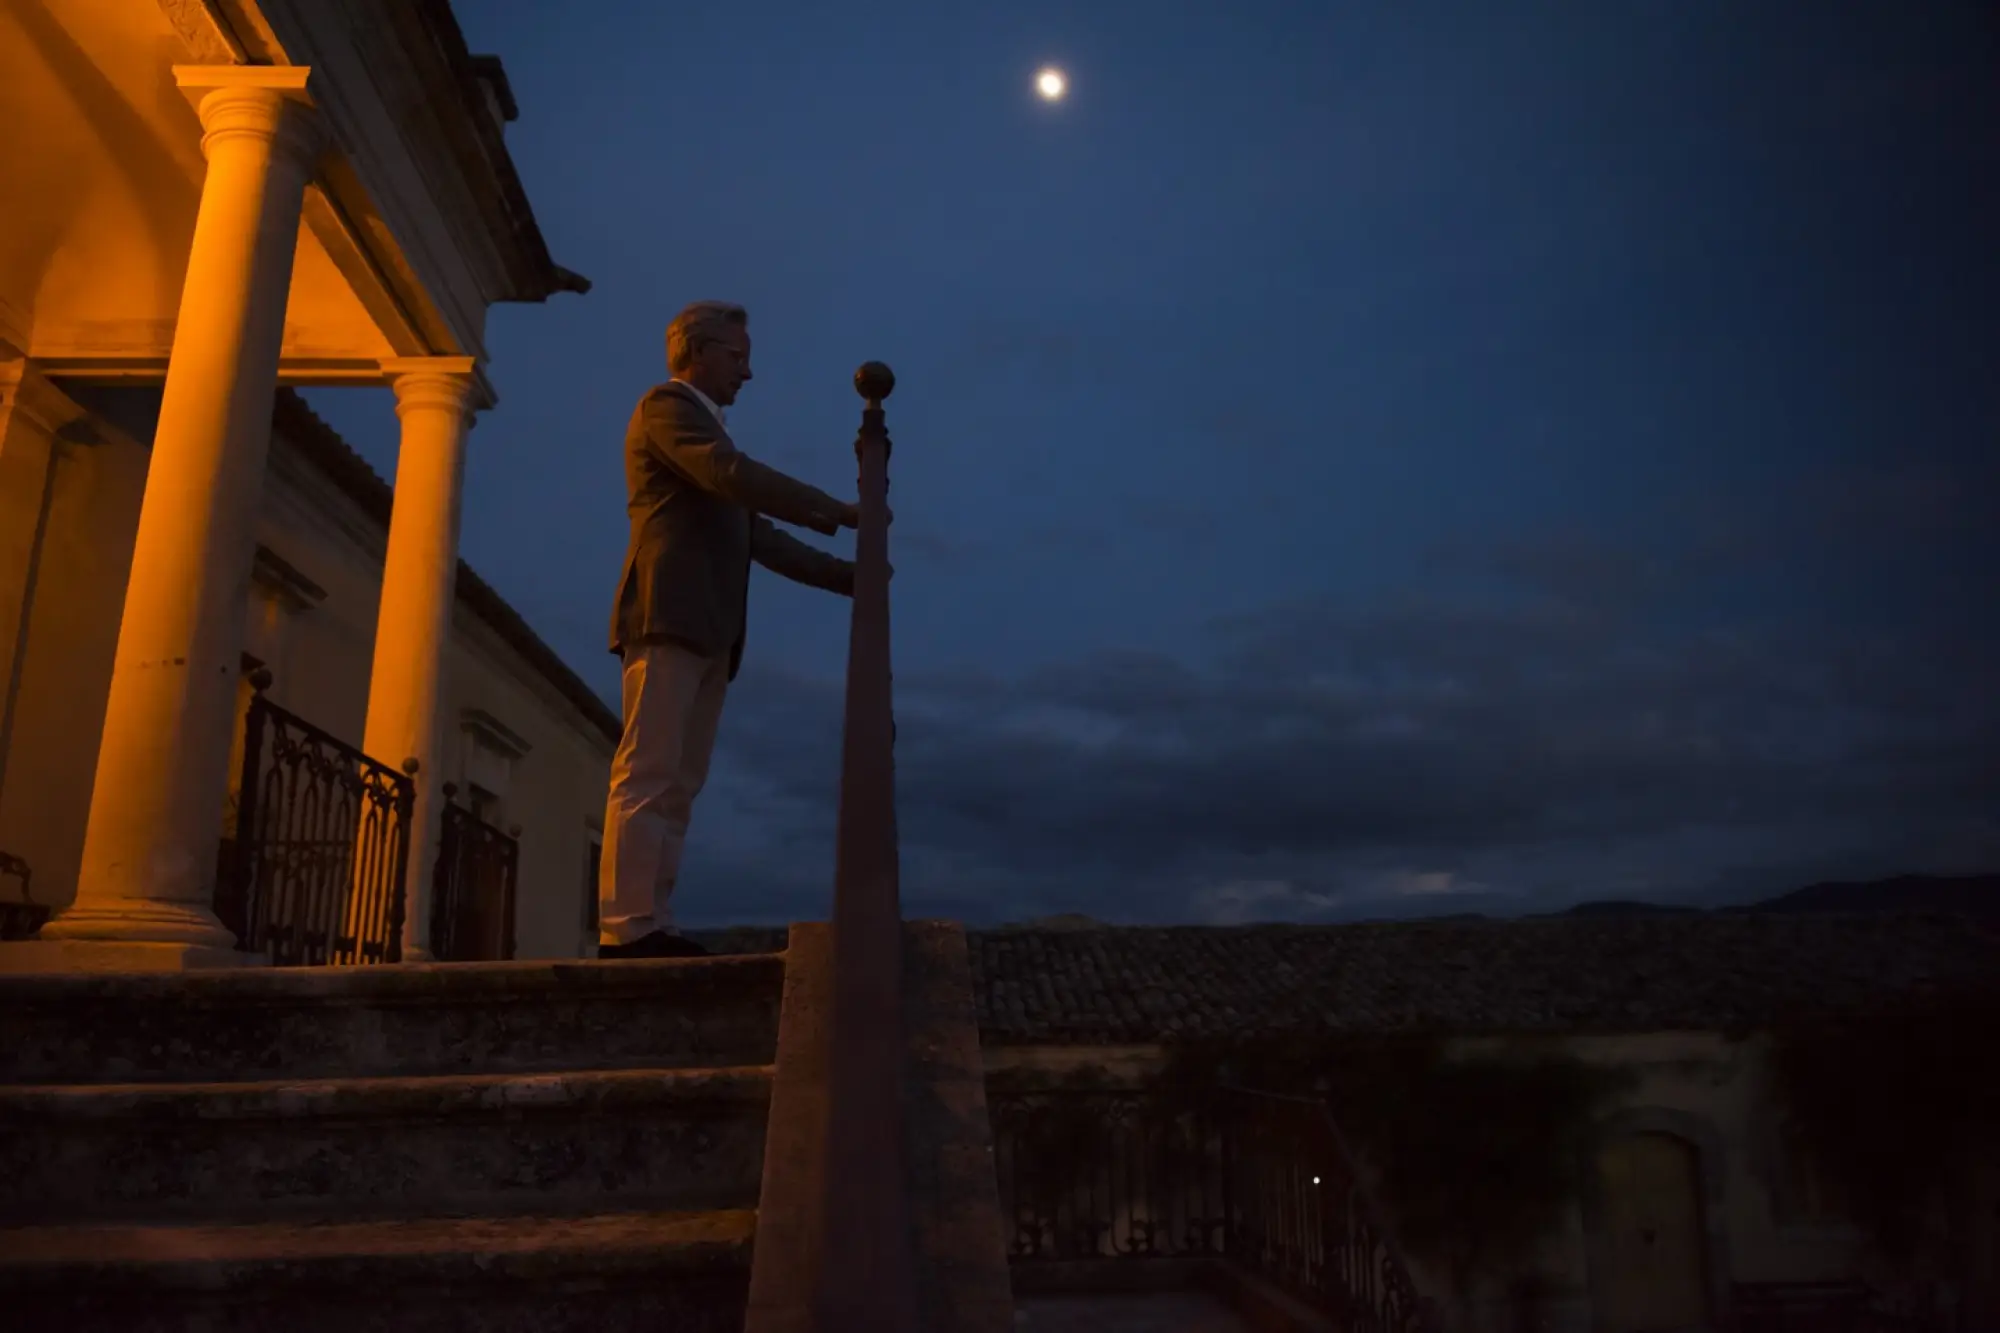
(1439, 755)
(1245, 900)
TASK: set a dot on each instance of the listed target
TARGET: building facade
(205, 203)
(526, 744)
(1695, 1202)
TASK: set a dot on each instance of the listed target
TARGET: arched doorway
(1650, 1254)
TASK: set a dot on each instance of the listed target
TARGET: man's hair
(699, 325)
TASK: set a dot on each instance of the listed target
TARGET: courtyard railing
(472, 888)
(1303, 1217)
(312, 870)
(1259, 1181)
(20, 917)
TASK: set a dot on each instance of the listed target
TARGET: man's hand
(847, 516)
(850, 515)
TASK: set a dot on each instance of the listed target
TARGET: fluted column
(434, 399)
(149, 852)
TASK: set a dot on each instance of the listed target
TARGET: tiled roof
(1116, 985)
(533, 275)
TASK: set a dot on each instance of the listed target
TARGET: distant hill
(1967, 895)
(1619, 907)
(1061, 921)
(1976, 896)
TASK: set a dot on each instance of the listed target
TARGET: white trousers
(673, 704)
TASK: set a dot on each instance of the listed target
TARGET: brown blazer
(697, 506)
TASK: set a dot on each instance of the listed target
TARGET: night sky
(1352, 459)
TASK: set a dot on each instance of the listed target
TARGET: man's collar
(703, 399)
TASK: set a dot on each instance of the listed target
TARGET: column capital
(451, 382)
(269, 103)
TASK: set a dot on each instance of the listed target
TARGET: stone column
(149, 853)
(435, 397)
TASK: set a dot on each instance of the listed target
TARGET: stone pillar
(149, 853)
(863, 1266)
(435, 397)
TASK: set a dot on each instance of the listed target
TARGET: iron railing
(1103, 1174)
(1304, 1219)
(472, 888)
(313, 870)
(1261, 1181)
(20, 919)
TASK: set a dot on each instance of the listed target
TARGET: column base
(140, 921)
(25, 956)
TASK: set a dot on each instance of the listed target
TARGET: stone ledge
(432, 1095)
(642, 1245)
(94, 960)
(415, 983)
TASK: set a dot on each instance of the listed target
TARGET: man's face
(726, 366)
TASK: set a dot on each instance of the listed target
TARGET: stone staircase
(503, 1147)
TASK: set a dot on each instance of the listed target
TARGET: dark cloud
(1310, 762)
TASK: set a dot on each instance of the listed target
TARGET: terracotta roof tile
(1704, 972)
(1116, 985)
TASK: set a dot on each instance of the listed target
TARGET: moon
(1051, 83)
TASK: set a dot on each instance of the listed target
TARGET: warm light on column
(149, 853)
(434, 400)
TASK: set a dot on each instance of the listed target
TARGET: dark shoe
(655, 945)
(659, 944)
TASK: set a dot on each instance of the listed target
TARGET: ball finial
(874, 381)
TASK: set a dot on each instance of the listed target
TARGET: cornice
(205, 32)
(383, 264)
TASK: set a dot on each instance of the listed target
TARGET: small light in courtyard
(1051, 83)
(1315, 1180)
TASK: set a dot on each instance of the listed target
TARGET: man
(699, 510)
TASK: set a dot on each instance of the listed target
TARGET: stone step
(378, 1147)
(416, 1018)
(606, 1273)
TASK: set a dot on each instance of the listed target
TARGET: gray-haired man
(698, 508)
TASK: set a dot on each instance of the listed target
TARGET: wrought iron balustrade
(1103, 1174)
(1262, 1181)
(1304, 1220)
(312, 872)
(20, 918)
(472, 888)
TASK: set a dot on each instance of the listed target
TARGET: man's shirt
(704, 400)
